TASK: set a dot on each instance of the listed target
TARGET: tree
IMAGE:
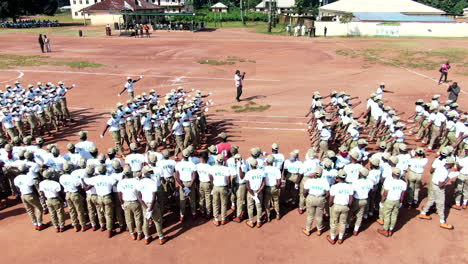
(449, 6)
(17, 8)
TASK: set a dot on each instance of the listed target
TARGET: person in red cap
(224, 147)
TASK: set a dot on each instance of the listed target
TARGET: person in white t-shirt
(128, 196)
(255, 182)
(361, 187)
(375, 175)
(279, 157)
(352, 169)
(392, 199)
(316, 191)
(416, 167)
(135, 160)
(113, 124)
(272, 187)
(291, 171)
(167, 168)
(117, 174)
(239, 78)
(205, 188)
(237, 168)
(52, 191)
(379, 92)
(129, 87)
(461, 184)
(185, 172)
(26, 185)
(220, 179)
(341, 198)
(439, 181)
(84, 145)
(148, 199)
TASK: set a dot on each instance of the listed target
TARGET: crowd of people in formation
(29, 23)
(177, 119)
(33, 111)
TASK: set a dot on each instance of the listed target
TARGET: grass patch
(221, 110)
(216, 62)
(250, 106)
(237, 59)
(10, 61)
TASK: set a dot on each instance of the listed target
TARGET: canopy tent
(376, 6)
(398, 17)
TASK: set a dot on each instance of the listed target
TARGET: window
(76, 13)
(87, 2)
(81, 2)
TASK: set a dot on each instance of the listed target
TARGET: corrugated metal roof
(400, 6)
(398, 17)
(114, 5)
(219, 5)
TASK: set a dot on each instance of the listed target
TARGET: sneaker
(148, 240)
(464, 206)
(85, 227)
(215, 222)
(42, 227)
(380, 221)
(77, 228)
(103, 228)
(278, 216)
(163, 240)
(95, 228)
(233, 207)
(319, 232)
(209, 216)
(122, 229)
(250, 224)
(306, 232)
(332, 241)
(268, 219)
(181, 218)
(425, 217)
(134, 236)
(456, 207)
(446, 226)
(355, 233)
(140, 236)
(383, 232)
(36, 227)
(259, 224)
(300, 211)
(223, 222)
(237, 220)
(57, 229)
(390, 233)
(340, 241)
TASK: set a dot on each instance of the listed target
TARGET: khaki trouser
(123, 133)
(205, 197)
(372, 202)
(131, 94)
(290, 190)
(133, 216)
(20, 127)
(168, 188)
(12, 132)
(422, 130)
(437, 197)
(179, 145)
(251, 205)
(91, 201)
(315, 206)
(119, 214)
(57, 214)
(157, 219)
(105, 211)
(434, 135)
(195, 134)
(192, 196)
(149, 137)
(390, 209)
(414, 185)
(358, 208)
(271, 193)
(118, 141)
(158, 134)
(76, 207)
(64, 108)
(33, 207)
(461, 188)
(131, 130)
(188, 136)
(241, 197)
(302, 199)
(220, 199)
(449, 140)
(338, 216)
(323, 147)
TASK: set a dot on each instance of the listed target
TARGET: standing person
(224, 147)
(361, 188)
(52, 191)
(461, 184)
(47, 43)
(167, 167)
(128, 188)
(41, 42)
(416, 167)
(205, 189)
(185, 172)
(272, 187)
(325, 29)
(453, 91)
(444, 69)
(238, 77)
(255, 182)
(341, 198)
(108, 30)
(220, 179)
(316, 191)
(129, 87)
(392, 199)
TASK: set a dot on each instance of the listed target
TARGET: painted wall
(100, 19)
(77, 5)
(405, 29)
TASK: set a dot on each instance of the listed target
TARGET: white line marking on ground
(153, 76)
(256, 122)
(298, 117)
(21, 74)
(262, 128)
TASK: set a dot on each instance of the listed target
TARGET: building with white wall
(77, 5)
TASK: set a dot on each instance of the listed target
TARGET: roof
(114, 5)
(219, 5)
(399, 17)
(279, 3)
(393, 6)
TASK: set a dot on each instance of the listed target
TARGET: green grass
(9, 61)
(221, 110)
(216, 62)
(237, 59)
(250, 106)
(89, 31)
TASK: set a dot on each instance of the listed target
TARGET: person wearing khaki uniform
(316, 191)
(26, 185)
(392, 199)
(437, 124)
(51, 190)
(461, 184)
(219, 177)
(361, 188)
(292, 168)
(75, 201)
(91, 196)
(272, 188)
(255, 183)
(206, 187)
(341, 199)
(414, 176)
(128, 190)
(439, 181)
(240, 187)
(185, 172)
(113, 124)
(178, 132)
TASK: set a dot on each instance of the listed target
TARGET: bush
(232, 15)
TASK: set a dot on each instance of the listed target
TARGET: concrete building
(281, 5)
(77, 5)
(219, 8)
(465, 12)
(172, 6)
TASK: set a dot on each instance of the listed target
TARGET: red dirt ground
(286, 72)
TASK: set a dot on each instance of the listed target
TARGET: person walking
(453, 91)
(444, 69)
(47, 44)
(238, 77)
(41, 42)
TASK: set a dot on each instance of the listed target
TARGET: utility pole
(270, 15)
(242, 12)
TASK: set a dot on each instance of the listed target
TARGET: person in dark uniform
(238, 77)
(325, 32)
(313, 31)
(41, 42)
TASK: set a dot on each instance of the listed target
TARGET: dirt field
(284, 75)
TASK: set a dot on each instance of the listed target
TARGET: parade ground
(282, 72)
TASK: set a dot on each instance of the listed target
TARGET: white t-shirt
(117, 177)
(203, 170)
(293, 167)
(83, 148)
(167, 167)
(70, 183)
(51, 189)
(24, 183)
(440, 175)
(135, 161)
(417, 165)
(255, 178)
(279, 160)
(178, 128)
(403, 161)
(102, 183)
(341, 161)
(260, 164)
(129, 188)
(147, 187)
(317, 186)
(129, 86)
(220, 175)
(309, 166)
(374, 176)
(185, 169)
(329, 175)
(341, 191)
(238, 79)
(395, 188)
(361, 188)
(352, 172)
(113, 124)
(272, 175)
(463, 163)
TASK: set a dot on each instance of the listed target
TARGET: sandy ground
(286, 72)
